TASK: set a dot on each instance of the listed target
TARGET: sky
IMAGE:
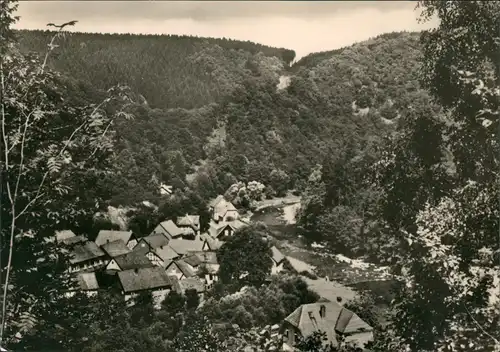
(303, 26)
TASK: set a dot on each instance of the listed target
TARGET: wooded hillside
(218, 103)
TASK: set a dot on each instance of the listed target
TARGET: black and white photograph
(249, 176)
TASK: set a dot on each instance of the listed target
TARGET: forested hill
(169, 71)
(238, 109)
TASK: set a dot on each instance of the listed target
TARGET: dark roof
(133, 260)
(115, 248)
(166, 253)
(142, 247)
(337, 319)
(204, 257)
(86, 251)
(213, 244)
(105, 236)
(192, 260)
(183, 267)
(143, 279)
(156, 240)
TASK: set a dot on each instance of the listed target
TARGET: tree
(314, 343)
(173, 302)
(192, 299)
(196, 335)
(450, 300)
(246, 257)
(54, 152)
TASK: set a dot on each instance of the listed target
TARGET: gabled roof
(87, 281)
(278, 257)
(204, 257)
(182, 266)
(115, 248)
(133, 260)
(215, 201)
(156, 240)
(74, 240)
(143, 279)
(85, 251)
(222, 207)
(190, 283)
(216, 229)
(212, 243)
(337, 319)
(192, 260)
(192, 221)
(169, 229)
(166, 253)
(182, 246)
(64, 235)
(105, 236)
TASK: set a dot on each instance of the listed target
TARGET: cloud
(303, 26)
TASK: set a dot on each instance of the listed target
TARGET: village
(178, 257)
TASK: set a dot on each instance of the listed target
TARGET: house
(68, 238)
(190, 224)
(115, 248)
(223, 210)
(179, 269)
(157, 252)
(154, 280)
(329, 317)
(152, 241)
(106, 236)
(278, 260)
(86, 283)
(184, 247)
(210, 243)
(192, 283)
(223, 230)
(168, 229)
(204, 264)
(127, 261)
(71, 241)
(86, 256)
(64, 235)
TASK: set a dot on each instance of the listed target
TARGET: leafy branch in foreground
(53, 150)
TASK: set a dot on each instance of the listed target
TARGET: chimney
(107, 241)
(322, 311)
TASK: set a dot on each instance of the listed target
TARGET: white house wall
(174, 270)
(113, 266)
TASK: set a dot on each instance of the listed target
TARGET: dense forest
(392, 144)
(240, 124)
